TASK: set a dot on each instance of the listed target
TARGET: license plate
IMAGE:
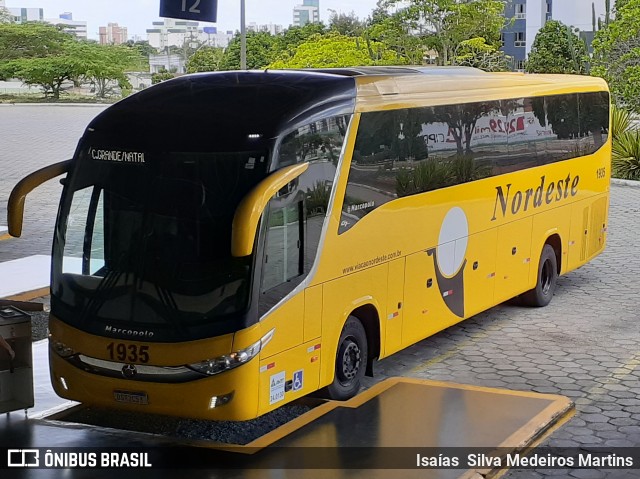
(131, 397)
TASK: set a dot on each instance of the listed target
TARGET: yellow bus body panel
(192, 399)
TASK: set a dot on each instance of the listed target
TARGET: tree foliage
(48, 72)
(396, 35)
(347, 24)
(443, 24)
(616, 54)
(42, 55)
(143, 47)
(161, 76)
(207, 59)
(104, 65)
(286, 44)
(259, 51)
(28, 40)
(477, 53)
(557, 49)
(625, 147)
(335, 50)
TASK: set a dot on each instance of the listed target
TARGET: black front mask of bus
(143, 250)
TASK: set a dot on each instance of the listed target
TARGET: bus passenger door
(395, 307)
(513, 259)
(282, 272)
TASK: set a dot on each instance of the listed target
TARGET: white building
(271, 28)
(22, 15)
(172, 63)
(308, 12)
(210, 36)
(69, 25)
(176, 33)
(171, 32)
(139, 80)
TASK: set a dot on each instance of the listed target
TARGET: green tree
(207, 59)
(285, 44)
(143, 47)
(443, 24)
(161, 76)
(335, 50)
(28, 40)
(395, 34)
(103, 65)
(260, 51)
(477, 53)
(75, 61)
(616, 54)
(557, 49)
(49, 72)
(347, 24)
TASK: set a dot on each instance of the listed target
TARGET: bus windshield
(146, 252)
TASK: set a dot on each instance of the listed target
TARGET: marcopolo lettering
(514, 202)
(128, 332)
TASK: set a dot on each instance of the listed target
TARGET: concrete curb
(620, 182)
(103, 105)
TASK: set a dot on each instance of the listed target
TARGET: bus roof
(398, 70)
(222, 111)
(271, 102)
(406, 87)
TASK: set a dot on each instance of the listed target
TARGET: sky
(137, 15)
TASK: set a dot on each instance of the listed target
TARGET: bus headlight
(233, 360)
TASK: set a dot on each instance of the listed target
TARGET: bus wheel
(547, 277)
(351, 361)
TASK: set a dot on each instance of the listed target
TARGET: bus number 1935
(128, 352)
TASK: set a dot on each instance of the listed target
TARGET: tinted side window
(526, 147)
(410, 151)
(593, 114)
(562, 117)
(297, 213)
(377, 153)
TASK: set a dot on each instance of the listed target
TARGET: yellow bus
(229, 242)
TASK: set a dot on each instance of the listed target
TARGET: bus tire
(351, 361)
(542, 294)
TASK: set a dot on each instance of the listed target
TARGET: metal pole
(243, 38)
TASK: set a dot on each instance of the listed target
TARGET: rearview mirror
(247, 216)
(15, 207)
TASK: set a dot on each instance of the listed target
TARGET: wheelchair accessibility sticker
(297, 380)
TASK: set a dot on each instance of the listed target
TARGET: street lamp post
(243, 38)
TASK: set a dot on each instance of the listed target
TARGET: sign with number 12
(199, 10)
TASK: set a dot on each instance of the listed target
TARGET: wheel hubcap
(546, 277)
(350, 361)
